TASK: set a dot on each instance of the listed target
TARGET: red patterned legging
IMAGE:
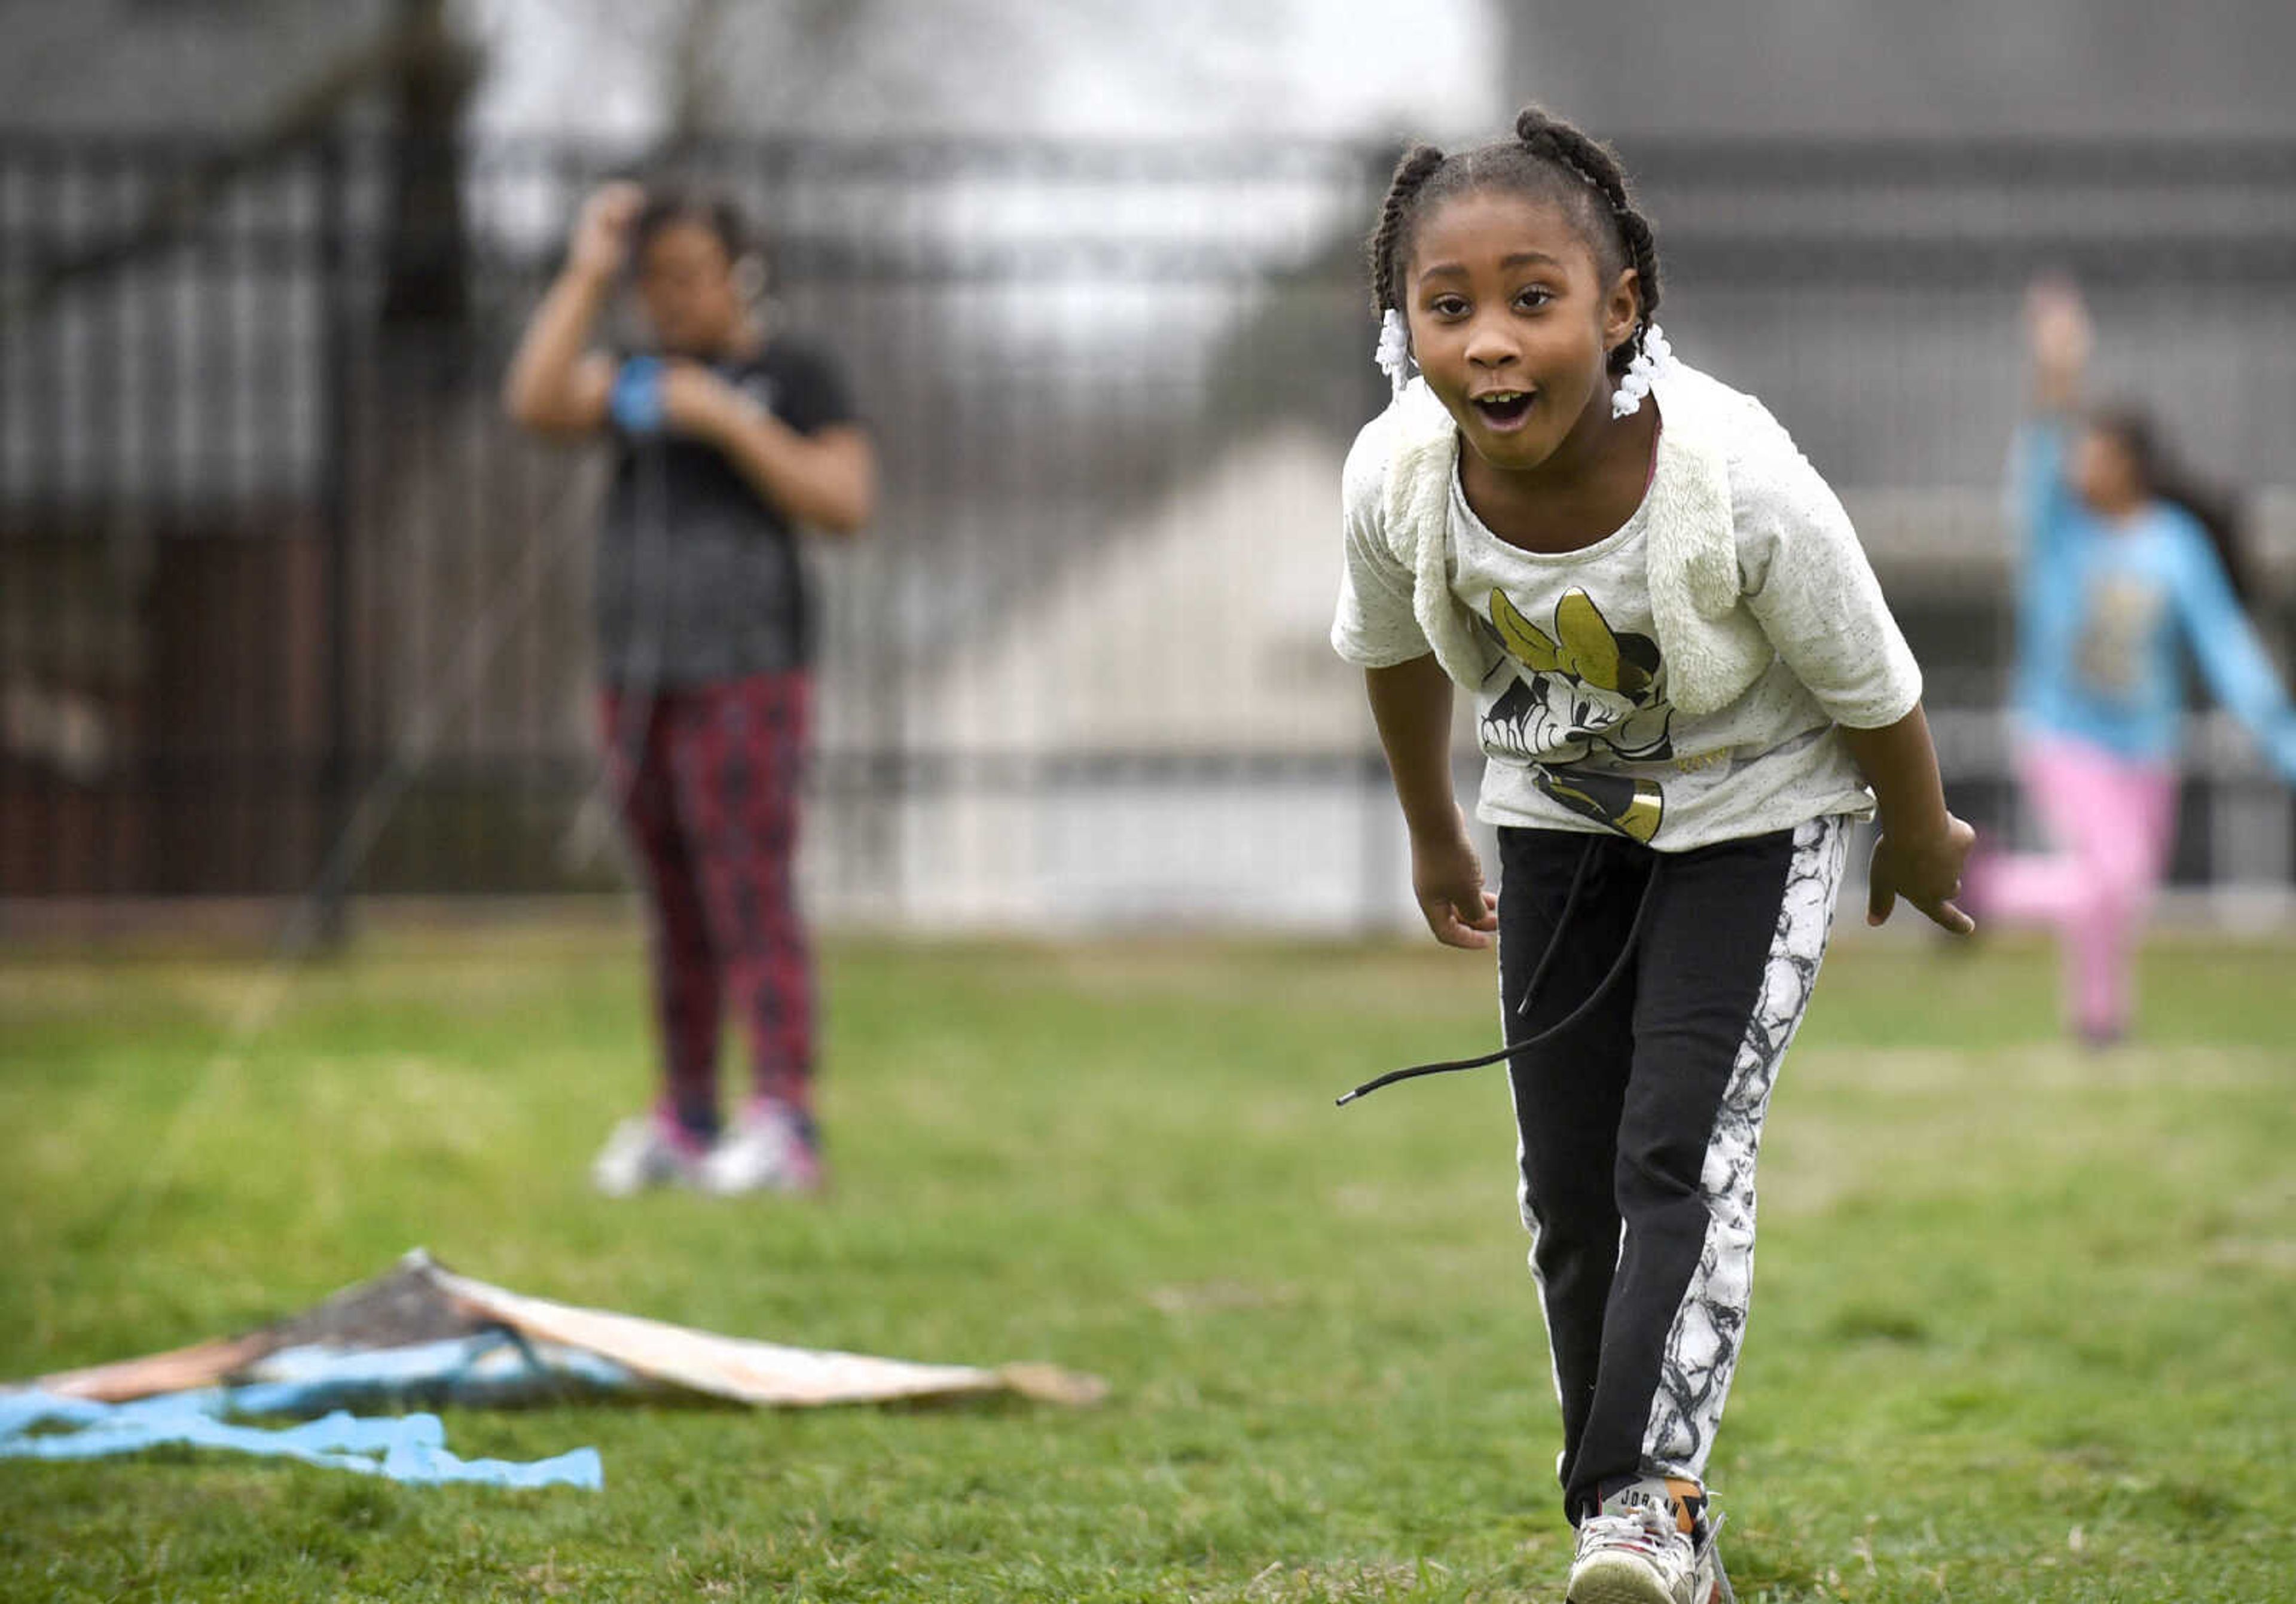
(708, 778)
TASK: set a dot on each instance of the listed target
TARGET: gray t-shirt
(699, 577)
(1573, 714)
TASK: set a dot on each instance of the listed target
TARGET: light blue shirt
(2105, 603)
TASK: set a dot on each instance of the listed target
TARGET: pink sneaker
(770, 1148)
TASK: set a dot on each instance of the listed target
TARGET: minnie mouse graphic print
(1574, 716)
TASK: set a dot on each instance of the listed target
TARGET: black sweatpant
(1638, 1124)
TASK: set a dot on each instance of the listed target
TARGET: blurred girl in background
(2122, 560)
(729, 439)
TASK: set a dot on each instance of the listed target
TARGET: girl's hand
(1447, 878)
(601, 242)
(1927, 874)
(2057, 328)
(695, 401)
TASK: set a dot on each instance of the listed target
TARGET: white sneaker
(646, 1151)
(1633, 1550)
(769, 1149)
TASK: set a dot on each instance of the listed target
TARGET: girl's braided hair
(2165, 477)
(1548, 159)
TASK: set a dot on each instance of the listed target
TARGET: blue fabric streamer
(404, 1448)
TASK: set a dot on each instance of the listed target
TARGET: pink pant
(2110, 818)
(709, 779)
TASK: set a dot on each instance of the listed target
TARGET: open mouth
(1503, 409)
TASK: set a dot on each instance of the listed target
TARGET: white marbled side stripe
(1701, 1347)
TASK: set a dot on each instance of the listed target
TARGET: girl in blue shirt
(2121, 566)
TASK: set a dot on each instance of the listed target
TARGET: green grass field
(2025, 1325)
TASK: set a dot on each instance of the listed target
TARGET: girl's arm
(2059, 337)
(1411, 703)
(1922, 847)
(555, 385)
(1811, 589)
(827, 479)
(2238, 669)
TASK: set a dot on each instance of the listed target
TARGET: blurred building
(1848, 70)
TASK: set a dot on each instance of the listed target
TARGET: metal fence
(285, 604)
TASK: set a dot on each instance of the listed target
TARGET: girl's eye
(1534, 296)
(1447, 305)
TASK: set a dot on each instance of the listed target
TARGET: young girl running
(726, 441)
(2121, 563)
(1686, 681)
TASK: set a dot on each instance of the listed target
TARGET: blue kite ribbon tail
(403, 1448)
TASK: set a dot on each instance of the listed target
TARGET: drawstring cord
(1537, 975)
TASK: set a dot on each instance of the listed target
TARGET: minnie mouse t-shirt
(1573, 714)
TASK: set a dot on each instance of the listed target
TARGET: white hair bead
(1393, 352)
(1651, 363)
